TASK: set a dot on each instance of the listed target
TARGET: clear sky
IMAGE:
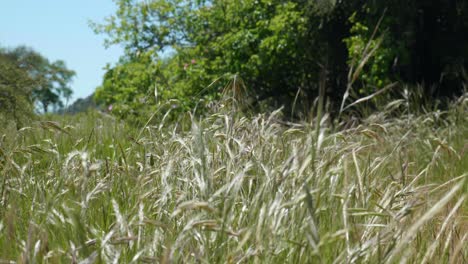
(58, 29)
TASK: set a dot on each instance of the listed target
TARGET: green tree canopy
(51, 79)
(15, 91)
(284, 50)
(28, 79)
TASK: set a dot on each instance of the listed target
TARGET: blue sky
(58, 29)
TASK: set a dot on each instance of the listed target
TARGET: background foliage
(282, 50)
(15, 91)
(27, 79)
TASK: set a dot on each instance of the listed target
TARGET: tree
(126, 87)
(284, 50)
(15, 91)
(264, 43)
(28, 79)
(421, 42)
(50, 79)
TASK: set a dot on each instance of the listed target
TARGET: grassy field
(89, 189)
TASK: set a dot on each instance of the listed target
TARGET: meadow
(228, 188)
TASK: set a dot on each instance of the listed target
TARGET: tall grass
(90, 189)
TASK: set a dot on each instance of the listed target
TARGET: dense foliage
(27, 79)
(282, 51)
(15, 91)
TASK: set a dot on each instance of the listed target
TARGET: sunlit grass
(235, 189)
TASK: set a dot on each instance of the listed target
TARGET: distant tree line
(80, 105)
(28, 81)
